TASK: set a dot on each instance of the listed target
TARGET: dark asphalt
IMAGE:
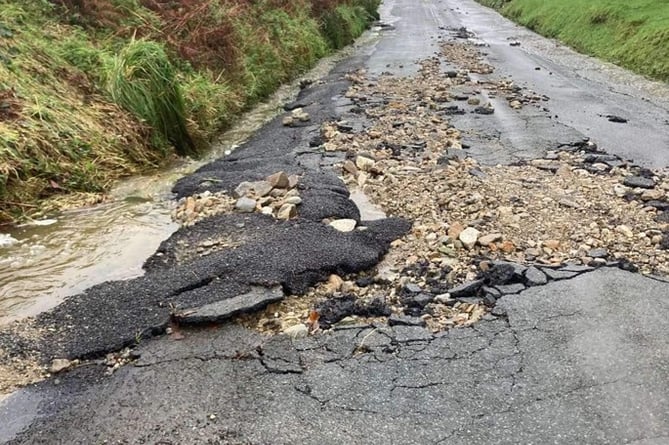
(583, 360)
(579, 361)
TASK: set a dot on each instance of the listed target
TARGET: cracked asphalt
(582, 360)
(577, 361)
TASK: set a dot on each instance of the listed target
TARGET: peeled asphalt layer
(582, 360)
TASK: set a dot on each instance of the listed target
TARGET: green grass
(60, 134)
(631, 33)
(141, 79)
(344, 23)
(96, 90)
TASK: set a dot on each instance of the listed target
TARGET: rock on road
(581, 360)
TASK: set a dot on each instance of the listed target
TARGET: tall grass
(344, 23)
(59, 134)
(142, 80)
(631, 33)
(83, 102)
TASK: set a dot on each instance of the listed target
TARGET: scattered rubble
(192, 209)
(296, 116)
(277, 196)
(479, 232)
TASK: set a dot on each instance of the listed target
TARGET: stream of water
(78, 249)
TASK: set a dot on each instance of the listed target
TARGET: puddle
(111, 241)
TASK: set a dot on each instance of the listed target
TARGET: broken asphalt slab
(577, 361)
(293, 255)
(582, 360)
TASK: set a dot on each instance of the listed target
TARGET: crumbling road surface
(506, 285)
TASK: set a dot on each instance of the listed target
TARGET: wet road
(582, 90)
(582, 360)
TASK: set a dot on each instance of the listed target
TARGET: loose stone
(535, 277)
(246, 205)
(295, 200)
(243, 189)
(598, 253)
(468, 237)
(466, 289)
(287, 211)
(344, 225)
(60, 365)
(364, 163)
(350, 167)
(625, 230)
(489, 239)
(261, 188)
(639, 181)
(297, 331)
(412, 288)
(279, 180)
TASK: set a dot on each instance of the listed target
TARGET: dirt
(569, 208)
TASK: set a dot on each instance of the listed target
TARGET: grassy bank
(94, 90)
(631, 33)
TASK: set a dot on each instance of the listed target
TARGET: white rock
(344, 225)
(266, 210)
(297, 331)
(619, 190)
(443, 298)
(295, 200)
(625, 230)
(246, 205)
(468, 237)
(364, 163)
(7, 240)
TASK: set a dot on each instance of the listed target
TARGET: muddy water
(111, 241)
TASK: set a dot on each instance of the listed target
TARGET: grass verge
(91, 91)
(630, 33)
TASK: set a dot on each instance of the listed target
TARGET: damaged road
(507, 308)
(262, 252)
(571, 362)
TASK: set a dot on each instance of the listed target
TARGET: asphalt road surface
(582, 360)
